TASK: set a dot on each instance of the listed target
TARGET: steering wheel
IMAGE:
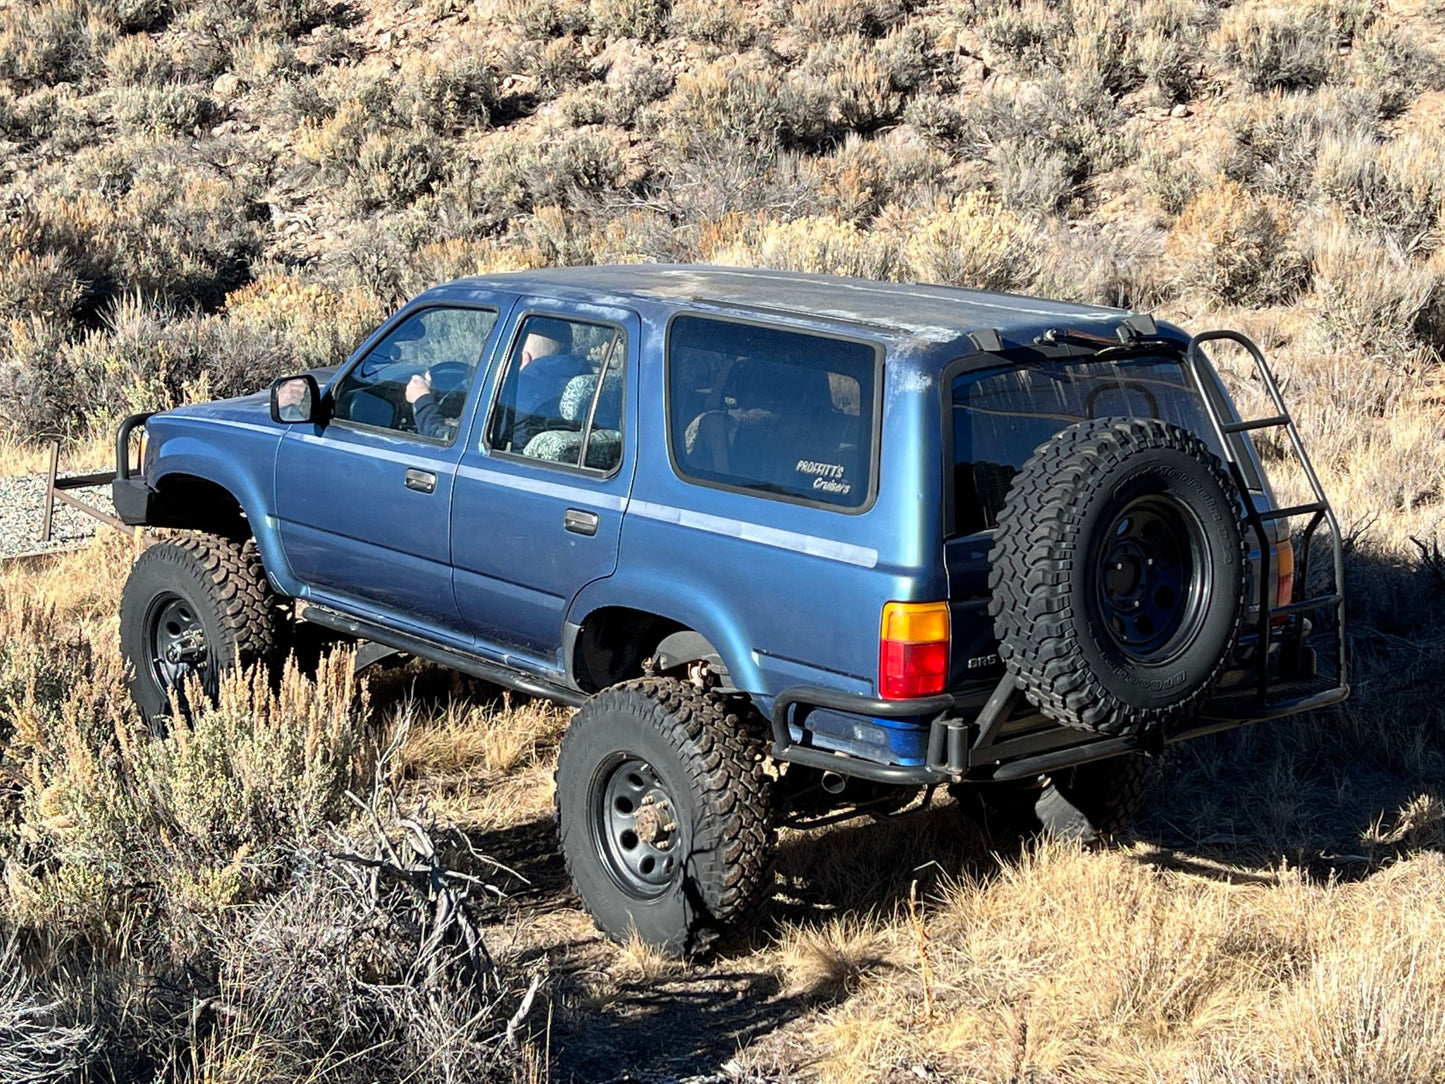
(450, 377)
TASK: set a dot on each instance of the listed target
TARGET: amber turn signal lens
(913, 650)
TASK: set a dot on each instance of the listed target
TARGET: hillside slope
(198, 195)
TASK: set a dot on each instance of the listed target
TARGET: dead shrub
(975, 242)
(1288, 47)
(37, 1045)
(1397, 186)
(723, 24)
(1235, 247)
(829, 19)
(644, 19)
(1369, 295)
(53, 41)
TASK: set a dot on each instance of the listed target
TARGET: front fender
(678, 600)
(243, 463)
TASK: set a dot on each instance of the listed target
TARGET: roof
(909, 310)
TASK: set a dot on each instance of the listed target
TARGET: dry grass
(202, 194)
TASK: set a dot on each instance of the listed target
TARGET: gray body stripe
(826, 548)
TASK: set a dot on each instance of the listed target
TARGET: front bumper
(129, 492)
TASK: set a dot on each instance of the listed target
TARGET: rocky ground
(22, 512)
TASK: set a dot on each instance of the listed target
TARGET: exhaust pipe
(834, 783)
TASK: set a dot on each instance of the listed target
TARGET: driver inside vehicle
(430, 422)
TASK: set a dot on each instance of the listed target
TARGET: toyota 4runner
(787, 542)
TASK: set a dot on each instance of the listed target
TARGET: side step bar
(466, 662)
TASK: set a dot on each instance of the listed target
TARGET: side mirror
(295, 399)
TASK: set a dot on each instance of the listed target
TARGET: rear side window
(1001, 416)
(779, 412)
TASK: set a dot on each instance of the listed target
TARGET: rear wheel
(663, 808)
(1085, 803)
(193, 607)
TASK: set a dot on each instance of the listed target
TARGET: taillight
(913, 650)
(1284, 563)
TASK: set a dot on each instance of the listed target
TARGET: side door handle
(580, 522)
(423, 481)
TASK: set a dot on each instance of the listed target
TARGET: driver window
(416, 379)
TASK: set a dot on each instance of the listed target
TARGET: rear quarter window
(1000, 416)
(778, 412)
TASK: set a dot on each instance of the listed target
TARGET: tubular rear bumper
(960, 747)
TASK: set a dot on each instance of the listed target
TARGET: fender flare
(186, 455)
(710, 619)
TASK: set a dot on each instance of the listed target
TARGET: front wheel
(193, 607)
(663, 810)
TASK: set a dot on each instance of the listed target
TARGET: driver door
(364, 502)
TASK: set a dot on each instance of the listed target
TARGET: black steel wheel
(175, 645)
(1118, 575)
(636, 826)
(194, 606)
(664, 813)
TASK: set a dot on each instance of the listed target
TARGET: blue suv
(788, 542)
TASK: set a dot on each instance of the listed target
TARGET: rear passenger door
(544, 481)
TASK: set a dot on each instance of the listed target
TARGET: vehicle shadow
(1339, 793)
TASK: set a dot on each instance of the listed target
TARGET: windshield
(1000, 416)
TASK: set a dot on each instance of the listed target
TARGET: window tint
(777, 411)
(416, 379)
(561, 398)
(1001, 416)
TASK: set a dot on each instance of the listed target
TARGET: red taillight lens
(913, 650)
(1284, 563)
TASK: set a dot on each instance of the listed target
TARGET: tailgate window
(1000, 416)
(779, 412)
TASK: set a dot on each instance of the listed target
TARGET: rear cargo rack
(1289, 696)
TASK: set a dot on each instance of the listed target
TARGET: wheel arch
(209, 493)
(606, 640)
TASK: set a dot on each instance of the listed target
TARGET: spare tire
(1118, 575)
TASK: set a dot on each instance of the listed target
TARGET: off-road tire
(1047, 599)
(710, 756)
(224, 583)
(1090, 802)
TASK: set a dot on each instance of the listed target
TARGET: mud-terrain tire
(701, 763)
(1118, 575)
(1085, 803)
(197, 583)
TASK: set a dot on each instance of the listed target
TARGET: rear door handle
(580, 522)
(423, 481)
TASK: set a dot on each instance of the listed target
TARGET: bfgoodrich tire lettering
(1065, 618)
(708, 761)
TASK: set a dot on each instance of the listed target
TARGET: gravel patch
(22, 511)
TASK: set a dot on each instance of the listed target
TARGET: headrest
(577, 397)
